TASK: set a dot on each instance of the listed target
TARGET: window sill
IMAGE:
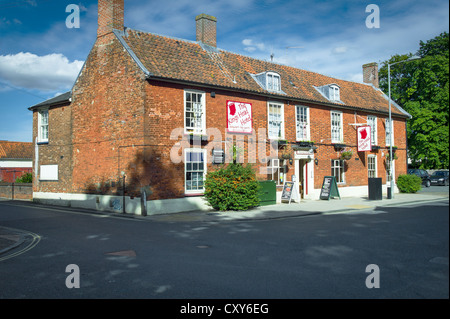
(193, 194)
(42, 143)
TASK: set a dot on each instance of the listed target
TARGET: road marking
(35, 239)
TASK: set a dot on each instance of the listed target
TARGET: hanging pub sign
(239, 117)
(364, 139)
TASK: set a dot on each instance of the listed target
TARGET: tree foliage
(421, 87)
(233, 187)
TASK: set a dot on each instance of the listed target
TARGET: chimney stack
(110, 16)
(205, 26)
(370, 73)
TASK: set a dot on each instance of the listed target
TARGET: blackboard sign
(329, 188)
(288, 187)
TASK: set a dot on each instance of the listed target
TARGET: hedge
(409, 183)
(233, 187)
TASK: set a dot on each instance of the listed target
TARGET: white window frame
(41, 126)
(334, 92)
(186, 152)
(340, 167)
(387, 129)
(372, 122)
(269, 120)
(371, 166)
(202, 128)
(276, 170)
(340, 127)
(302, 126)
(270, 82)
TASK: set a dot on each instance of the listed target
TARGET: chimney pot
(206, 31)
(370, 73)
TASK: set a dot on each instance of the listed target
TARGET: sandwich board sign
(329, 188)
(288, 188)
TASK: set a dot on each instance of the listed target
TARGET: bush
(233, 187)
(25, 178)
(409, 183)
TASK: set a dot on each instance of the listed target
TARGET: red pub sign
(364, 139)
(239, 117)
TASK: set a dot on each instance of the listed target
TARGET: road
(320, 256)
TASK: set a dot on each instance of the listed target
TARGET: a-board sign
(288, 187)
(329, 188)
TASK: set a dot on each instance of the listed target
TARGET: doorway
(301, 172)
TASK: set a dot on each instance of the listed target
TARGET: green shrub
(233, 187)
(25, 178)
(409, 183)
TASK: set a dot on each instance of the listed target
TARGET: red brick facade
(119, 121)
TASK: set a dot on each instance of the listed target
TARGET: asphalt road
(321, 256)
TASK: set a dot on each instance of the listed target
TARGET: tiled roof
(57, 100)
(169, 58)
(16, 150)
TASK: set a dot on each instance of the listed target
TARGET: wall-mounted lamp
(213, 94)
(290, 161)
(316, 161)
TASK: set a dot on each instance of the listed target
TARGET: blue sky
(40, 57)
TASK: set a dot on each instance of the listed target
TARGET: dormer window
(273, 82)
(334, 93)
(269, 80)
(331, 92)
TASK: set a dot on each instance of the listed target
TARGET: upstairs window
(334, 94)
(273, 82)
(336, 127)
(43, 126)
(330, 91)
(194, 112)
(275, 120)
(372, 122)
(269, 80)
(302, 123)
(389, 136)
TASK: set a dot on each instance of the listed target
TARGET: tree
(25, 178)
(421, 87)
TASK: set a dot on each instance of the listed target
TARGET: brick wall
(16, 191)
(108, 118)
(165, 111)
(58, 150)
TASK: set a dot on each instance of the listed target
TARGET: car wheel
(427, 183)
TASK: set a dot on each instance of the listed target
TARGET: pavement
(12, 238)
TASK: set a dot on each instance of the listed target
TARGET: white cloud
(46, 73)
(251, 46)
(340, 49)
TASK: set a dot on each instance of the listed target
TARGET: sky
(40, 57)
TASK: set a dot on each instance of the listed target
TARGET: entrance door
(300, 172)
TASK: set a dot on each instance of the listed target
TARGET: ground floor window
(277, 171)
(337, 170)
(195, 170)
(372, 166)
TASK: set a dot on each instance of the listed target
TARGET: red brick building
(140, 97)
(15, 160)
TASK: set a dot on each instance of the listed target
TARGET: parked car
(440, 178)
(423, 174)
